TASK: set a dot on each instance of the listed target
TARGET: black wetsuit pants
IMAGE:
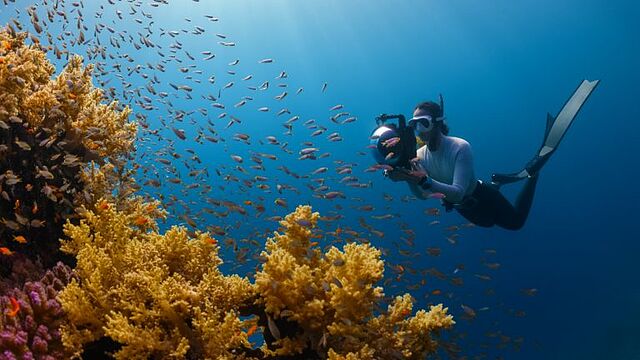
(492, 208)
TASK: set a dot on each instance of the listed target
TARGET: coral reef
(331, 298)
(64, 175)
(50, 129)
(160, 296)
(29, 324)
(23, 269)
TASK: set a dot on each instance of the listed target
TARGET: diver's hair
(434, 110)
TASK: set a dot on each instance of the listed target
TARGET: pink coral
(33, 333)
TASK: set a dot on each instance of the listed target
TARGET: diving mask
(423, 123)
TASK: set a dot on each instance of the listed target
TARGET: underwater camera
(393, 144)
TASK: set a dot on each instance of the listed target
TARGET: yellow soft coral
(331, 298)
(69, 103)
(22, 68)
(53, 127)
(162, 295)
(365, 353)
(157, 294)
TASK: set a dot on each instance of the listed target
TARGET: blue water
(501, 66)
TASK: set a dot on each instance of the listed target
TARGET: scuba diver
(445, 163)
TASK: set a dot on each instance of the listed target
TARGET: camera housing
(391, 152)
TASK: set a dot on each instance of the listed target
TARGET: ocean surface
(565, 286)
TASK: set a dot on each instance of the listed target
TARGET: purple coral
(16, 270)
(33, 333)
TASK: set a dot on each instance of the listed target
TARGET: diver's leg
(534, 166)
(514, 217)
(525, 198)
(483, 213)
(480, 215)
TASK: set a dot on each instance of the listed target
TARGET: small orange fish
(190, 222)
(21, 239)
(252, 330)
(211, 241)
(141, 220)
(432, 211)
(16, 206)
(436, 292)
(103, 205)
(5, 251)
(72, 95)
(248, 202)
(406, 312)
(34, 209)
(436, 195)
(405, 252)
(280, 202)
(434, 251)
(15, 307)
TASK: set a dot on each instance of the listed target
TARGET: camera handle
(382, 118)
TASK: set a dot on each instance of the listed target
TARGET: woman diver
(445, 165)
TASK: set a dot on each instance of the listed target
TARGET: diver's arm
(462, 177)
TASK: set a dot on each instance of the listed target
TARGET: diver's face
(423, 135)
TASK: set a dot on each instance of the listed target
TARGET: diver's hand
(417, 172)
(413, 176)
(398, 174)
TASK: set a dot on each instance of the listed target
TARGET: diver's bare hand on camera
(413, 176)
(417, 171)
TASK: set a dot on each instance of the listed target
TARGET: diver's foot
(534, 166)
(533, 176)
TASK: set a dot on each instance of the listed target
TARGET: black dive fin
(556, 128)
(566, 116)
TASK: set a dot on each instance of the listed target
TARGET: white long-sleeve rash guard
(450, 167)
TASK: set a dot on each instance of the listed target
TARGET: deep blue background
(501, 66)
